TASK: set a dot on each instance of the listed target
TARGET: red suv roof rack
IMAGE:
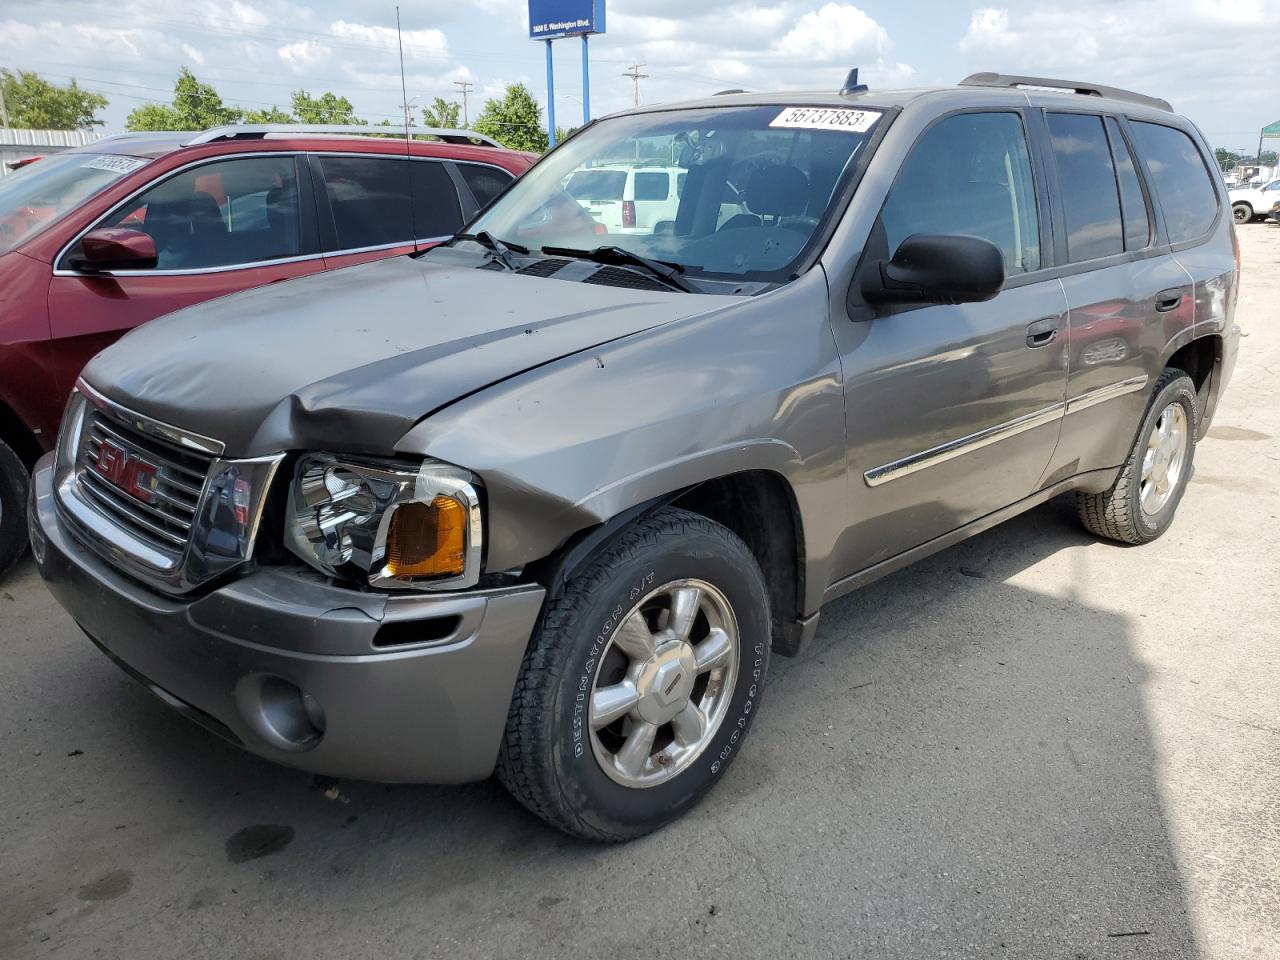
(251, 131)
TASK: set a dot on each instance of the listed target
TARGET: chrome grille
(159, 511)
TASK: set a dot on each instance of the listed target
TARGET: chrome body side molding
(1001, 431)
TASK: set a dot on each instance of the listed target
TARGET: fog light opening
(280, 712)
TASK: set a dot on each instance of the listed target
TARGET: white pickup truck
(1250, 202)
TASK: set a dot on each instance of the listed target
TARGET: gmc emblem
(129, 472)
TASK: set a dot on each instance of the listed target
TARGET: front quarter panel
(751, 386)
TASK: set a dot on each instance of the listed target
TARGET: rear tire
(627, 710)
(1140, 505)
(1242, 212)
(15, 484)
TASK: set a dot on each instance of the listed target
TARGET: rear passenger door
(1125, 290)
(376, 206)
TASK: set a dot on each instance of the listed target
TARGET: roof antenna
(851, 84)
(408, 157)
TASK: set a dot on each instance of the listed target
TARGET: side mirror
(114, 248)
(936, 268)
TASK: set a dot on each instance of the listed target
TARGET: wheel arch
(19, 437)
(1200, 358)
(758, 505)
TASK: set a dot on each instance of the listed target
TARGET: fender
(579, 441)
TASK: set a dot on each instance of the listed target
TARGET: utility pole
(464, 86)
(636, 76)
(4, 114)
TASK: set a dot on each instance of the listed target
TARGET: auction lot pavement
(1030, 745)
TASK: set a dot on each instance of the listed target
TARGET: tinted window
(1181, 181)
(485, 182)
(436, 210)
(220, 214)
(1137, 226)
(652, 186)
(1087, 178)
(369, 197)
(969, 174)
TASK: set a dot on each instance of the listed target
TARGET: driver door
(952, 411)
(219, 227)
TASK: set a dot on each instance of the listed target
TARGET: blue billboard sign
(553, 19)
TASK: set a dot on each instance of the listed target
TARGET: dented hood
(350, 360)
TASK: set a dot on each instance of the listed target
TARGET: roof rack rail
(725, 93)
(1086, 89)
(252, 131)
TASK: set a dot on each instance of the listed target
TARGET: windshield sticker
(115, 164)
(827, 118)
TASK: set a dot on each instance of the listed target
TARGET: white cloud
(304, 54)
(416, 42)
(836, 32)
(195, 55)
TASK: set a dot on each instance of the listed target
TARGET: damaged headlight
(396, 525)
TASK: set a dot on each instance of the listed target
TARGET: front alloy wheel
(641, 679)
(662, 688)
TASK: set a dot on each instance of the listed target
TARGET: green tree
(1267, 158)
(442, 113)
(1227, 159)
(326, 108)
(36, 104)
(196, 106)
(514, 120)
(271, 115)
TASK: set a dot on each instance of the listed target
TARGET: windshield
(42, 192)
(730, 192)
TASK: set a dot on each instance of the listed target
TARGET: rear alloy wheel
(1242, 212)
(1141, 504)
(15, 484)
(641, 680)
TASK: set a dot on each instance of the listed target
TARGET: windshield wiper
(665, 271)
(501, 250)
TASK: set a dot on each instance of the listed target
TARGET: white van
(628, 199)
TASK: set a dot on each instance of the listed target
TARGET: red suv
(99, 239)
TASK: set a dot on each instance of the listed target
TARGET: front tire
(15, 484)
(641, 680)
(1242, 212)
(1141, 504)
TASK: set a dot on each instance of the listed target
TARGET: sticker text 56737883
(827, 118)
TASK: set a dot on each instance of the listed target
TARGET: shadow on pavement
(959, 766)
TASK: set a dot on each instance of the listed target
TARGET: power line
(636, 76)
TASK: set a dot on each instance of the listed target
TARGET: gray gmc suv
(544, 498)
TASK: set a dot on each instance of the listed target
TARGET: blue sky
(1215, 59)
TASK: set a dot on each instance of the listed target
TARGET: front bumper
(392, 707)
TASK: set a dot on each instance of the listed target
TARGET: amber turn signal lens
(427, 539)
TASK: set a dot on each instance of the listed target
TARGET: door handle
(1042, 332)
(1167, 300)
